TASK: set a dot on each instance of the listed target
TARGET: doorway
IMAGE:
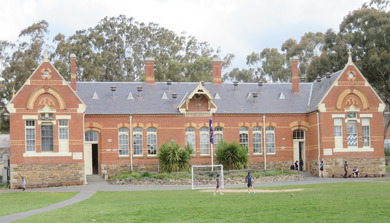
(91, 153)
(95, 159)
(299, 147)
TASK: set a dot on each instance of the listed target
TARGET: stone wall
(335, 167)
(47, 174)
(210, 181)
(113, 169)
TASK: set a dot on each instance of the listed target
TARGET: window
(47, 137)
(123, 141)
(30, 135)
(270, 139)
(352, 133)
(298, 134)
(338, 132)
(204, 141)
(244, 137)
(46, 116)
(351, 115)
(366, 131)
(91, 136)
(257, 140)
(190, 139)
(152, 141)
(63, 135)
(218, 136)
(137, 141)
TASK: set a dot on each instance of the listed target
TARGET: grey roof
(157, 98)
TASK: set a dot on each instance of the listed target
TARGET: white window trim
(192, 133)
(338, 116)
(261, 141)
(147, 134)
(271, 131)
(142, 145)
(200, 142)
(35, 134)
(46, 154)
(365, 115)
(30, 117)
(369, 136)
(65, 117)
(128, 142)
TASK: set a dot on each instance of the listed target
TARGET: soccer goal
(204, 176)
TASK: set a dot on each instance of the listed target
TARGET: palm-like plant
(232, 155)
(173, 158)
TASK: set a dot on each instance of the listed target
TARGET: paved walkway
(96, 183)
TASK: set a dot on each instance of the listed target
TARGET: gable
(46, 86)
(198, 101)
(350, 89)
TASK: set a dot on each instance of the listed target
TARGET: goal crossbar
(194, 185)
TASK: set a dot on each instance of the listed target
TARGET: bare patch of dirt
(256, 190)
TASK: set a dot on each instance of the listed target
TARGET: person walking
(249, 180)
(322, 169)
(218, 186)
(23, 184)
(345, 169)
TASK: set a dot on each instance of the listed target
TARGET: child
(218, 186)
(322, 169)
(23, 184)
(249, 180)
(355, 172)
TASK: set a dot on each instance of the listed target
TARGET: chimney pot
(174, 96)
(235, 83)
(327, 74)
(318, 78)
(113, 89)
(32, 70)
(254, 94)
(169, 82)
(139, 89)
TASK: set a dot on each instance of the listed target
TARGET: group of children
(248, 179)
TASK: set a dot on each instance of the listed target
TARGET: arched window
(244, 137)
(298, 134)
(152, 141)
(137, 141)
(190, 139)
(218, 136)
(123, 134)
(204, 141)
(270, 140)
(257, 140)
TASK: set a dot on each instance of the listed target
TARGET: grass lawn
(339, 202)
(19, 202)
(388, 169)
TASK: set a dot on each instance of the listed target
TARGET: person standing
(23, 184)
(301, 165)
(296, 165)
(345, 169)
(322, 169)
(249, 180)
(218, 186)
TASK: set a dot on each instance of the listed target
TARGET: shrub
(146, 174)
(232, 155)
(173, 158)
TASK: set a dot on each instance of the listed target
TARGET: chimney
(113, 89)
(235, 83)
(260, 83)
(73, 78)
(254, 95)
(174, 96)
(169, 82)
(149, 70)
(139, 89)
(295, 78)
(217, 66)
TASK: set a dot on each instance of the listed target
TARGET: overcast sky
(236, 26)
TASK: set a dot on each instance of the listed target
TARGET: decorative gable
(198, 102)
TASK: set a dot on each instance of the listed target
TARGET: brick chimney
(217, 66)
(295, 78)
(73, 78)
(149, 70)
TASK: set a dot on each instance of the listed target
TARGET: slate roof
(157, 98)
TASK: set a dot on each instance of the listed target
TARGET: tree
(173, 158)
(232, 155)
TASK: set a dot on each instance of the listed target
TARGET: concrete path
(79, 197)
(96, 183)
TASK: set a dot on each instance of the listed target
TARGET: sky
(239, 27)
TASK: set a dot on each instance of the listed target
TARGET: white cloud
(237, 26)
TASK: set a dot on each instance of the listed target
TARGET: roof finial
(349, 55)
(45, 57)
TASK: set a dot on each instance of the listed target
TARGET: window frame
(123, 142)
(270, 130)
(257, 130)
(137, 132)
(244, 131)
(204, 141)
(366, 132)
(218, 136)
(27, 133)
(151, 139)
(47, 138)
(191, 139)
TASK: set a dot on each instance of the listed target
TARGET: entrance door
(95, 159)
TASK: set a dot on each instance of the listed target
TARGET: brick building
(60, 133)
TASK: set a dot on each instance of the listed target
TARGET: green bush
(173, 158)
(232, 156)
(146, 174)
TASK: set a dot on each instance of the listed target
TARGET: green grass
(388, 169)
(19, 202)
(339, 202)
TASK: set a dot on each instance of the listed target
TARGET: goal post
(204, 176)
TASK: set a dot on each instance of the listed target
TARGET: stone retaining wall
(335, 167)
(211, 181)
(47, 175)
